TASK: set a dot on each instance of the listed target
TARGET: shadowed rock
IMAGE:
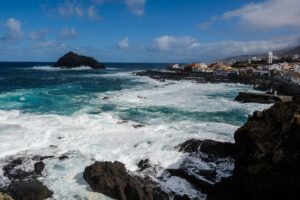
(267, 157)
(29, 190)
(72, 60)
(39, 167)
(112, 179)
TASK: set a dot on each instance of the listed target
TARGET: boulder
(72, 60)
(112, 179)
(29, 190)
(209, 147)
(267, 156)
(39, 167)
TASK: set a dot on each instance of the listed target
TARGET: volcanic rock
(112, 179)
(267, 157)
(72, 60)
(39, 167)
(29, 190)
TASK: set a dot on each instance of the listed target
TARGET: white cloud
(204, 25)
(92, 13)
(123, 44)
(66, 34)
(69, 8)
(268, 14)
(136, 6)
(79, 11)
(189, 49)
(14, 32)
(38, 35)
(166, 43)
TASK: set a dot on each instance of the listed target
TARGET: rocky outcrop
(259, 83)
(72, 60)
(24, 183)
(112, 179)
(249, 97)
(29, 190)
(215, 157)
(267, 157)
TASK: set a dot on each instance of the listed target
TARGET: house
(295, 78)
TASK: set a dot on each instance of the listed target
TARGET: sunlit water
(46, 111)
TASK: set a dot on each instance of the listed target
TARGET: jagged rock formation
(72, 60)
(267, 156)
(112, 179)
(24, 184)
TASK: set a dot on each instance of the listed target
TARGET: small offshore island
(73, 60)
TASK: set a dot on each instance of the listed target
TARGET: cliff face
(71, 60)
(267, 157)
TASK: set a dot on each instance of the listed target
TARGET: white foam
(51, 68)
(100, 137)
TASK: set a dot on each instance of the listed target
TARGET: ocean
(90, 115)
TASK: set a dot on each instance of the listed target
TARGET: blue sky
(146, 30)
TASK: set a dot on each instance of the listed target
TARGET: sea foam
(170, 113)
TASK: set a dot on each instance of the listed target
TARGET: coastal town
(280, 68)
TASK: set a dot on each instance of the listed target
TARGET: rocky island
(73, 60)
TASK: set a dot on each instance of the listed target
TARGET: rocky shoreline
(262, 164)
(200, 77)
(266, 154)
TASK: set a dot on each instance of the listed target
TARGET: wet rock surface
(246, 97)
(29, 190)
(112, 179)
(23, 181)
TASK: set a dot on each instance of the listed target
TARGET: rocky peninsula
(73, 60)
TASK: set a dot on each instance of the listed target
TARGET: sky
(146, 30)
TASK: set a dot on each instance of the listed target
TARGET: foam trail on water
(51, 68)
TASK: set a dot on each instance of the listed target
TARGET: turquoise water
(39, 104)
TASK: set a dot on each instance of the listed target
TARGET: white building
(270, 57)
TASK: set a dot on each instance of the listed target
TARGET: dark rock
(267, 157)
(248, 97)
(72, 60)
(112, 179)
(123, 122)
(144, 164)
(191, 178)
(41, 158)
(184, 197)
(209, 147)
(106, 98)
(29, 190)
(63, 157)
(138, 125)
(12, 173)
(39, 167)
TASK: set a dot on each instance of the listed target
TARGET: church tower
(270, 57)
